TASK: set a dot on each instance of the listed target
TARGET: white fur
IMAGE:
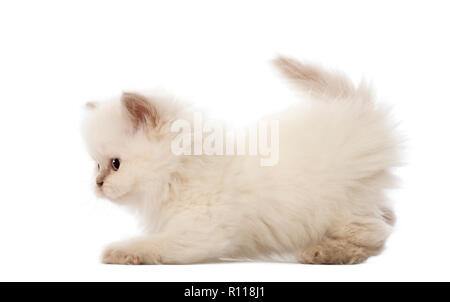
(325, 194)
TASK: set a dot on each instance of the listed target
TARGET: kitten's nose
(99, 181)
(100, 178)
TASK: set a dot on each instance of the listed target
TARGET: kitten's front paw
(121, 256)
(135, 251)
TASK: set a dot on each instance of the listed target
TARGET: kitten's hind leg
(351, 244)
(333, 251)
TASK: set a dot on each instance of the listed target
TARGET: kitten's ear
(91, 105)
(141, 112)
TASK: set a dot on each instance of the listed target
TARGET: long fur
(323, 202)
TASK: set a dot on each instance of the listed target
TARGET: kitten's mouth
(109, 193)
(99, 192)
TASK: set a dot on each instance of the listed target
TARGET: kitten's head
(129, 139)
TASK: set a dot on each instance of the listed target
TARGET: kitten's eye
(98, 166)
(115, 164)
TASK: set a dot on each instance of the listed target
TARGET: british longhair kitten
(318, 196)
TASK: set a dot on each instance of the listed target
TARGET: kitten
(323, 202)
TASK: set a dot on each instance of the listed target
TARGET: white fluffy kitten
(323, 202)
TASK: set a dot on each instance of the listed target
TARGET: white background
(57, 55)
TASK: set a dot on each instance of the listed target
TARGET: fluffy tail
(352, 141)
(319, 82)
